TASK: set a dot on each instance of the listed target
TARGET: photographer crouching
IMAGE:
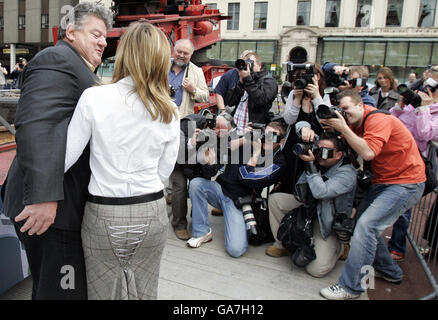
(238, 180)
(199, 149)
(329, 182)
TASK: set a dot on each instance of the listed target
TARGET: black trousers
(179, 198)
(56, 262)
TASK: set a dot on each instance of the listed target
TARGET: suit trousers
(179, 198)
(56, 262)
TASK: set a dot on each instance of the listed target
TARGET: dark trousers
(179, 198)
(56, 262)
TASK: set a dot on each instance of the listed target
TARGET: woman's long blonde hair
(144, 54)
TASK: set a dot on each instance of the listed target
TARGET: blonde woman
(133, 129)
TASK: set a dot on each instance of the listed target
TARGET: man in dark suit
(45, 204)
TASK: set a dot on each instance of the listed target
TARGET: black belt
(128, 200)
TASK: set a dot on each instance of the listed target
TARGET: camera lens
(240, 64)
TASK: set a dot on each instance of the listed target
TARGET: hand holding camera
(338, 123)
(312, 89)
(194, 139)
(307, 135)
(308, 157)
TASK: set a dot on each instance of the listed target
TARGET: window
(427, 13)
(394, 14)
(21, 22)
(303, 12)
(212, 6)
(234, 12)
(44, 21)
(260, 15)
(332, 13)
(363, 13)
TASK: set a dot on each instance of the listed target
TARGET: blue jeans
(399, 230)
(382, 205)
(203, 192)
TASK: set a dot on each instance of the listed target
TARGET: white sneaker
(336, 292)
(196, 242)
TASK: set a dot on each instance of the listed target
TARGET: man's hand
(339, 123)
(40, 217)
(210, 156)
(188, 85)
(307, 134)
(308, 157)
(194, 139)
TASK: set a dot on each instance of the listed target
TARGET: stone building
(400, 34)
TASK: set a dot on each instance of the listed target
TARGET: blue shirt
(227, 81)
(175, 80)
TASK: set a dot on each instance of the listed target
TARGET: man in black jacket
(253, 95)
(45, 204)
(238, 180)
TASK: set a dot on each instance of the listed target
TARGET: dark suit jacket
(53, 83)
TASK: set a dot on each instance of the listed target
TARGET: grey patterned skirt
(123, 245)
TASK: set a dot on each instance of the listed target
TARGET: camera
(210, 120)
(343, 227)
(241, 64)
(207, 136)
(333, 94)
(410, 97)
(171, 91)
(303, 148)
(336, 80)
(20, 63)
(413, 98)
(358, 82)
(364, 179)
(326, 112)
(303, 78)
(245, 204)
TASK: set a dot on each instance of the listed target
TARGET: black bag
(431, 182)
(296, 235)
(264, 233)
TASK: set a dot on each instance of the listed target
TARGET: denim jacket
(340, 186)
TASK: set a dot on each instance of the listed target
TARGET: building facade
(400, 34)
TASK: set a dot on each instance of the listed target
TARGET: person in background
(46, 204)
(411, 79)
(385, 92)
(187, 86)
(125, 221)
(3, 73)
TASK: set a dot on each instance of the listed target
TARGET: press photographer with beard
(253, 94)
(331, 180)
(238, 180)
(397, 184)
(197, 157)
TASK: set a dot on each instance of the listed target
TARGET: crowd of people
(96, 163)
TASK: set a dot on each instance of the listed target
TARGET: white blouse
(130, 154)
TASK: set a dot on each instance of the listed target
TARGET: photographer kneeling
(331, 180)
(200, 141)
(238, 180)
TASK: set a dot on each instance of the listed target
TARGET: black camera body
(304, 78)
(171, 91)
(358, 82)
(241, 64)
(413, 98)
(343, 227)
(303, 148)
(333, 94)
(336, 80)
(207, 136)
(328, 112)
(364, 179)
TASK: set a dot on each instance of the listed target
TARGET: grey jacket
(340, 187)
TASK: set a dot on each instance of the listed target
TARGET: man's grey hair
(180, 41)
(81, 11)
(229, 120)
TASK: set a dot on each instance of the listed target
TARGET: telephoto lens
(410, 97)
(240, 64)
(249, 218)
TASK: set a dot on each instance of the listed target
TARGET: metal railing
(423, 232)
